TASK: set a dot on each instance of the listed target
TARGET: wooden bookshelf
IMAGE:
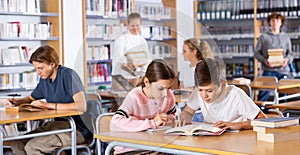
(104, 19)
(47, 11)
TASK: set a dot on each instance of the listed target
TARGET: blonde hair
(202, 47)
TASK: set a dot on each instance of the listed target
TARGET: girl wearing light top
(150, 105)
(193, 50)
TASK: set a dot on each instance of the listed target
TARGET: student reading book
(275, 122)
(195, 129)
(62, 89)
(147, 106)
(225, 106)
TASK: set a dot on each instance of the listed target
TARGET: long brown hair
(157, 70)
(202, 47)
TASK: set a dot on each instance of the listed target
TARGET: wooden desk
(277, 86)
(14, 117)
(294, 105)
(243, 142)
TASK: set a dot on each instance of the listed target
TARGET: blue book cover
(276, 119)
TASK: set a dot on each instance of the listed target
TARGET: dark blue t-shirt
(61, 90)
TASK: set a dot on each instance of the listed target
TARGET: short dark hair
(202, 47)
(276, 15)
(209, 71)
(157, 70)
(45, 54)
(132, 16)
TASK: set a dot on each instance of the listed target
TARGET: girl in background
(193, 50)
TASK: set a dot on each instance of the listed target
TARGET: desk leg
(73, 134)
(1, 141)
(276, 97)
(152, 148)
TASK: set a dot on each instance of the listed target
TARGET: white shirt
(233, 105)
(127, 42)
(187, 75)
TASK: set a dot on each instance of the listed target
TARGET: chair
(246, 88)
(264, 79)
(102, 125)
(94, 109)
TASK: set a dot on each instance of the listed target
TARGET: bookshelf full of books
(235, 26)
(228, 24)
(104, 20)
(25, 25)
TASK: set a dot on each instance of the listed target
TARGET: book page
(159, 128)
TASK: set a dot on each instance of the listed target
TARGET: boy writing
(224, 105)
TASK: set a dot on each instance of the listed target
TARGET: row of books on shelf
(235, 51)
(292, 30)
(98, 52)
(99, 72)
(105, 31)
(276, 129)
(236, 69)
(26, 80)
(108, 32)
(121, 8)
(153, 11)
(15, 54)
(160, 51)
(24, 30)
(109, 8)
(156, 32)
(16, 129)
(25, 6)
(244, 9)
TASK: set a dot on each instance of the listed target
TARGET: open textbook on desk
(196, 129)
(25, 107)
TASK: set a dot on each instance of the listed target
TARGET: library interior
(139, 66)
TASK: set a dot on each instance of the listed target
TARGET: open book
(25, 107)
(195, 130)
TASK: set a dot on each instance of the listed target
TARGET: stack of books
(275, 57)
(276, 129)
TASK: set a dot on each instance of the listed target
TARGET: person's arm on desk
(186, 116)
(238, 125)
(78, 104)
(15, 102)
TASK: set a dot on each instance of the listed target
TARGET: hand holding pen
(161, 119)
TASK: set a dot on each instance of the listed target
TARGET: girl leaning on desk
(62, 89)
(150, 105)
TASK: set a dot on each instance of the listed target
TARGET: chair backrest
(265, 79)
(94, 109)
(246, 88)
(103, 122)
(102, 125)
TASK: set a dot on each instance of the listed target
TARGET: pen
(159, 110)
